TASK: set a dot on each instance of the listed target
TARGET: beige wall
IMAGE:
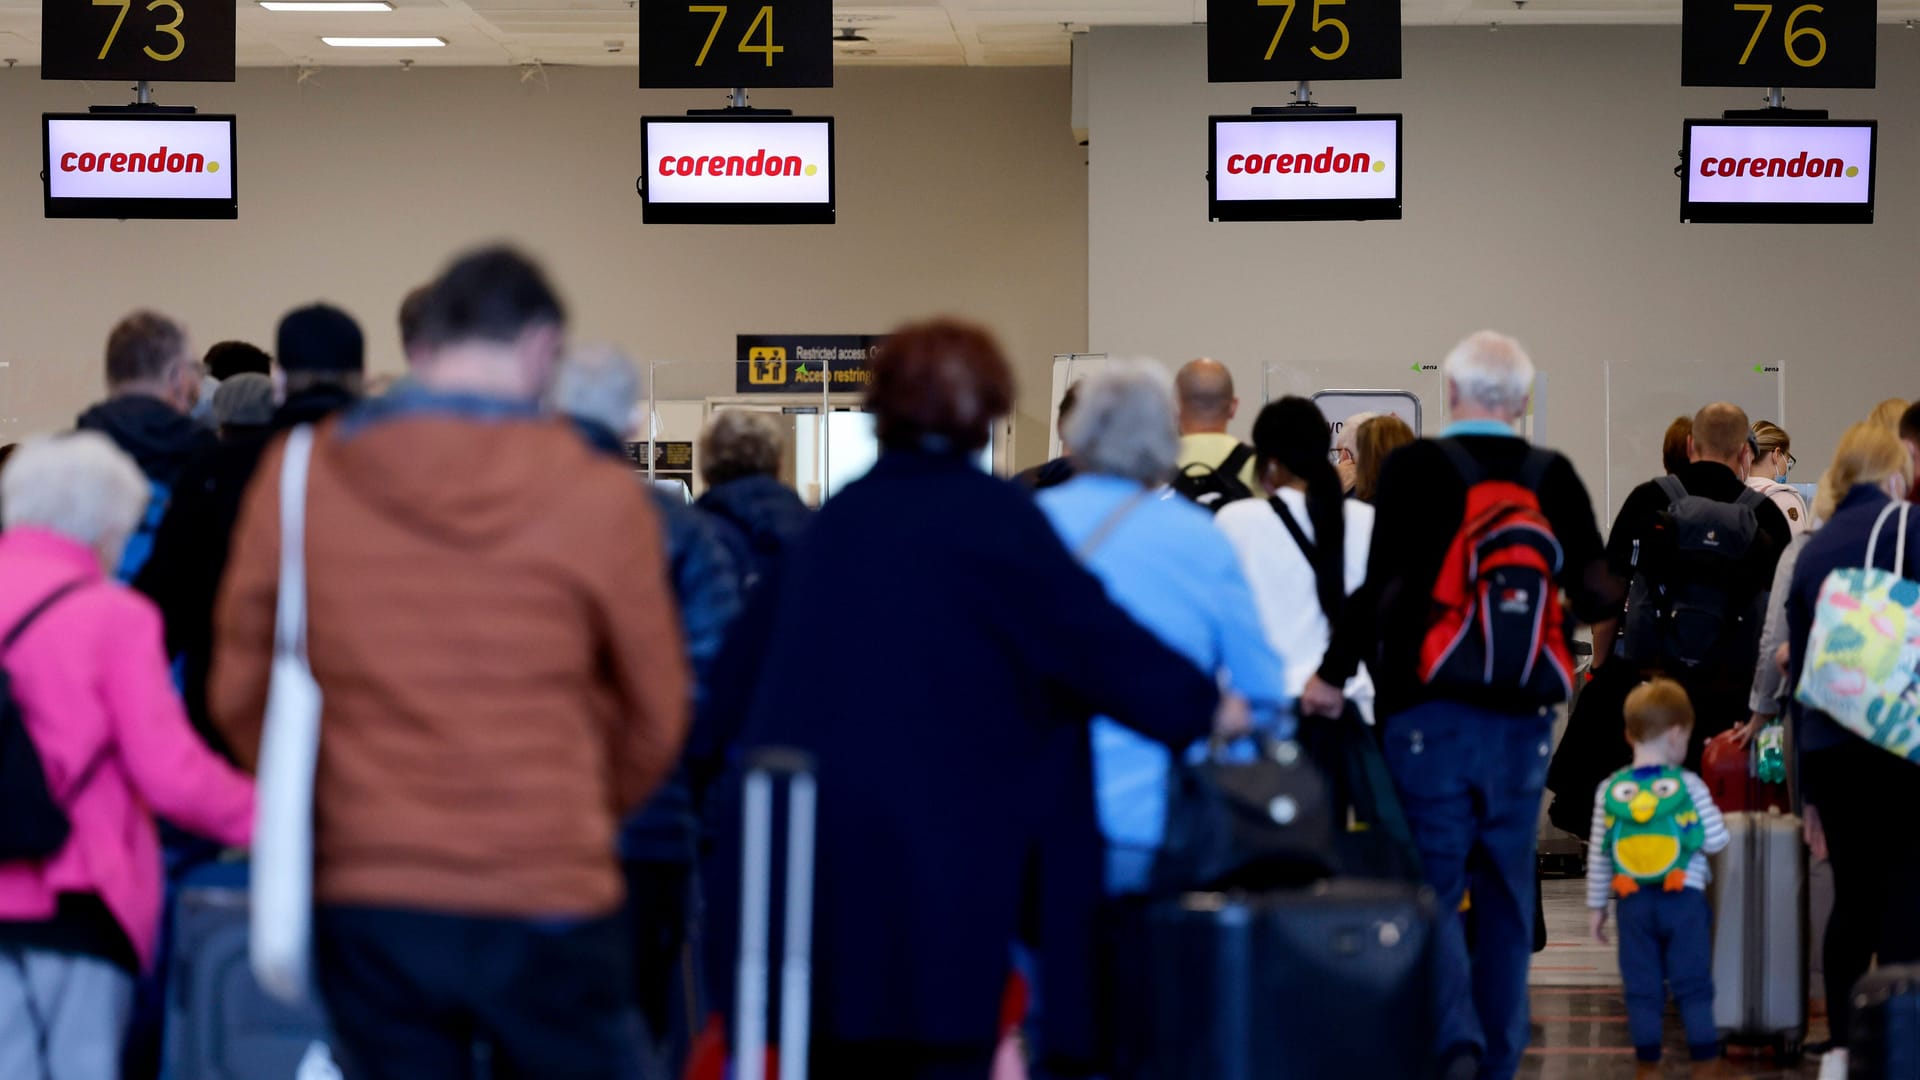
(1540, 199)
(959, 190)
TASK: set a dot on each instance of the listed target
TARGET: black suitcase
(1330, 981)
(220, 1024)
(1884, 1043)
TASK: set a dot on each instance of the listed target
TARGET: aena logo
(760, 164)
(160, 161)
(1326, 161)
(1764, 167)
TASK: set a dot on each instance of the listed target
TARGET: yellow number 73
(1319, 24)
(171, 29)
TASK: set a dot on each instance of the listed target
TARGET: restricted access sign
(804, 363)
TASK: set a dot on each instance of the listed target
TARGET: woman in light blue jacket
(1164, 562)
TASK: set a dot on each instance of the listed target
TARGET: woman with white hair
(94, 714)
(1163, 561)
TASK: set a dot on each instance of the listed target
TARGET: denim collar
(1497, 428)
(410, 400)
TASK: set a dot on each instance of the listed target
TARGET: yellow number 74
(1319, 24)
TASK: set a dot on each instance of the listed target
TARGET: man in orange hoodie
(491, 625)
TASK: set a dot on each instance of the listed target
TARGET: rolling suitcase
(1759, 895)
(752, 990)
(1333, 980)
(1884, 1043)
(220, 1024)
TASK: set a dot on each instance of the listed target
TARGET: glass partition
(683, 395)
(1644, 397)
(1068, 368)
(1345, 388)
(830, 439)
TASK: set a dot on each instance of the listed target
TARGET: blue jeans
(1666, 943)
(1471, 781)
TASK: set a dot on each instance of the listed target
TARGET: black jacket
(159, 439)
(1417, 511)
(190, 549)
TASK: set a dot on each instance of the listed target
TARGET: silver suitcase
(1759, 895)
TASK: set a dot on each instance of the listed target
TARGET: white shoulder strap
(290, 613)
(1900, 550)
(1873, 540)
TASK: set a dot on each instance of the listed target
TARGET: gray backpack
(1687, 609)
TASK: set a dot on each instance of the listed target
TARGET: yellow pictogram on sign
(767, 365)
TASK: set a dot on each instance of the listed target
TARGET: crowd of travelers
(539, 675)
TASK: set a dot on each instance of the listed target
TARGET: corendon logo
(760, 163)
(1329, 160)
(160, 161)
(1802, 165)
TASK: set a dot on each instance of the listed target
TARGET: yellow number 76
(1319, 24)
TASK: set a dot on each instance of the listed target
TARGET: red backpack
(1497, 629)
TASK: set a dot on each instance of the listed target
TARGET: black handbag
(1260, 823)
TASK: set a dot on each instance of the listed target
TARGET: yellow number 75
(1319, 24)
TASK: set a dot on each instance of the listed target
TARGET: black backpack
(1214, 486)
(32, 823)
(1687, 611)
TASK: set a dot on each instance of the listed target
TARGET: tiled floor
(1580, 1023)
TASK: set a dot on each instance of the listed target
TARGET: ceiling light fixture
(385, 42)
(848, 35)
(326, 5)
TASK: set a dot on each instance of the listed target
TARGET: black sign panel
(1790, 43)
(150, 40)
(727, 43)
(1289, 40)
(804, 363)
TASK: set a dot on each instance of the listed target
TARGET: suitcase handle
(779, 761)
(756, 877)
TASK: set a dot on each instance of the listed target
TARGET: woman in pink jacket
(90, 677)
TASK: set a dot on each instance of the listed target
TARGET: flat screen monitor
(747, 170)
(125, 166)
(1793, 171)
(1304, 166)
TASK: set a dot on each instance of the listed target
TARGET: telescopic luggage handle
(756, 879)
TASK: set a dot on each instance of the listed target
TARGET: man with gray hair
(1214, 467)
(1470, 762)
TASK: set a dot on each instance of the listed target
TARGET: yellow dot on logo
(811, 169)
(1379, 166)
(1853, 170)
(213, 166)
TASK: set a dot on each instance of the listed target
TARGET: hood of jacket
(456, 474)
(766, 511)
(159, 439)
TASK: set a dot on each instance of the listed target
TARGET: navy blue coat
(756, 517)
(939, 651)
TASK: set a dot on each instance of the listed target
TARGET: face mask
(1781, 478)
